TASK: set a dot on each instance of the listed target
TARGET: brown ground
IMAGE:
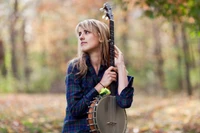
(42, 113)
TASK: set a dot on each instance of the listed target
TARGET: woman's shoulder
(73, 62)
(72, 65)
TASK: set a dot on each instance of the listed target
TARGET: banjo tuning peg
(104, 16)
(101, 9)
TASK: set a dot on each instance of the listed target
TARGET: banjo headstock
(107, 9)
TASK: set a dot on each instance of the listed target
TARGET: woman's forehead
(81, 29)
(87, 27)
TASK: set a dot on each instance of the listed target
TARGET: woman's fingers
(109, 76)
(117, 49)
(112, 77)
(112, 68)
(112, 74)
(119, 59)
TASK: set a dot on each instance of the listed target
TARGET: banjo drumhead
(110, 117)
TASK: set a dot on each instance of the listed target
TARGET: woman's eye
(79, 34)
(86, 32)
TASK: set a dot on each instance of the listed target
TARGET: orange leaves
(163, 115)
(31, 113)
(177, 1)
(48, 5)
(45, 113)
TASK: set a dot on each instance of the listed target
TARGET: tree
(176, 43)
(13, 34)
(187, 59)
(2, 59)
(159, 58)
(177, 11)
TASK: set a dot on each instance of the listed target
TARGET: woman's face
(88, 41)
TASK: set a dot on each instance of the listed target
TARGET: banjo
(104, 115)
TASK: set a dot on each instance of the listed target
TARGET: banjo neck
(113, 86)
(109, 15)
(111, 43)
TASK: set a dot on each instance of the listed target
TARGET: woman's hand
(119, 58)
(122, 72)
(109, 76)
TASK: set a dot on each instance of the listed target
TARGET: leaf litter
(42, 113)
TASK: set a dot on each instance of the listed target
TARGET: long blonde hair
(96, 27)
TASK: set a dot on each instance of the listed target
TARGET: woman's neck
(95, 60)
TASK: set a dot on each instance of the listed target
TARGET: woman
(89, 73)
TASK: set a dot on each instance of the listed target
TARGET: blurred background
(160, 41)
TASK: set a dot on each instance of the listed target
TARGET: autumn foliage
(160, 40)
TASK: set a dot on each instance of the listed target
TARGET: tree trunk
(25, 54)
(159, 59)
(2, 59)
(187, 60)
(13, 35)
(178, 54)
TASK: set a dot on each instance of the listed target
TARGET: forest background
(160, 41)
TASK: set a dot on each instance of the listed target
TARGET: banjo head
(110, 117)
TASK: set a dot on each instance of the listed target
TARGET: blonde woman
(89, 73)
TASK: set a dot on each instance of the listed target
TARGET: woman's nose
(81, 37)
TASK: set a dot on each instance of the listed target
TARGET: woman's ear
(100, 39)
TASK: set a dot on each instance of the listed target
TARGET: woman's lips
(82, 43)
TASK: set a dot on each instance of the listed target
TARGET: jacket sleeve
(77, 102)
(125, 99)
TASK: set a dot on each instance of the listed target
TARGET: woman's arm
(121, 68)
(122, 77)
(125, 89)
(77, 102)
